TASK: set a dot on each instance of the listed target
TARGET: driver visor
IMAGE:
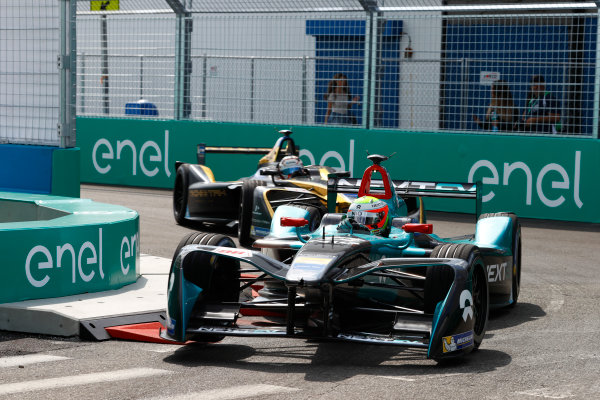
(367, 218)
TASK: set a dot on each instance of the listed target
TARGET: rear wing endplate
(403, 188)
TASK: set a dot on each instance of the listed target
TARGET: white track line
(231, 393)
(7, 362)
(75, 380)
(547, 394)
(557, 299)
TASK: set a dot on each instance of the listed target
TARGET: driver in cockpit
(291, 167)
(367, 214)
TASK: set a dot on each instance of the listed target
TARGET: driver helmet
(290, 166)
(370, 212)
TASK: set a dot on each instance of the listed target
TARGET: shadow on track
(334, 362)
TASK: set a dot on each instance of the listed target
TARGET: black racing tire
(517, 246)
(246, 206)
(180, 194)
(440, 278)
(221, 281)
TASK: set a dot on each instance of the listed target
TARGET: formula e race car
(370, 275)
(280, 179)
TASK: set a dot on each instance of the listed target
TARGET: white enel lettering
(59, 254)
(129, 143)
(555, 184)
(578, 201)
(167, 171)
(332, 154)
(486, 180)
(158, 155)
(90, 260)
(153, 158)
(336, 155)
(125, 242)
(109, 155)
(41, 265)
(509, 168)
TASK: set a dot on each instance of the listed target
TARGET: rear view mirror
(297, 222)
(421, 228)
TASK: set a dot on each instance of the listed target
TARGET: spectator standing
(339, 102)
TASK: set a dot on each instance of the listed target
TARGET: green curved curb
(58, 246)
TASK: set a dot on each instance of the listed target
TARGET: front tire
(439, 280)
(180, 194)
(245, 216)
(219, 277)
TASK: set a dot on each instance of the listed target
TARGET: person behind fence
(542, 113)
(339, 102)
(500, 114)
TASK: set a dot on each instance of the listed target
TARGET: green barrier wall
(59, 246)
(536, 177)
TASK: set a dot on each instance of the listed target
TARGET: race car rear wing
(271, 153)
(202, 149)
(403, 188)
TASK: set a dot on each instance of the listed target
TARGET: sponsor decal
(232, 251)
(413, 185)
(85, 261)
(465, 297)
(203, 329)
(457, 342)
(341, 240)
(258, 231)
(150, 154)
(378, 339)
(203, 193)
(496, 272)
(313, 260)
(564, 183)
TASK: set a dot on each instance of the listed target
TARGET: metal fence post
(67, 66)
(304, 90)
(104, 73)
(251, 88)
(372, 71)
(367, 110)
(204, 80)
(141, 76)
(82, 90)
(596, 107)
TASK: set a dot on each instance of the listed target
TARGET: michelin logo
(457, 342)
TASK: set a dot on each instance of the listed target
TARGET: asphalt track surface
(547, 347)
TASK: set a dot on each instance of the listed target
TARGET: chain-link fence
(409, 66)
(524, 68)
(29, 80)
(37, 69)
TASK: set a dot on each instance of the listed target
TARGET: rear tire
(246, 206)
(439, 280)
(180, 194)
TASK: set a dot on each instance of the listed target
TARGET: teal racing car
(374, 274)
